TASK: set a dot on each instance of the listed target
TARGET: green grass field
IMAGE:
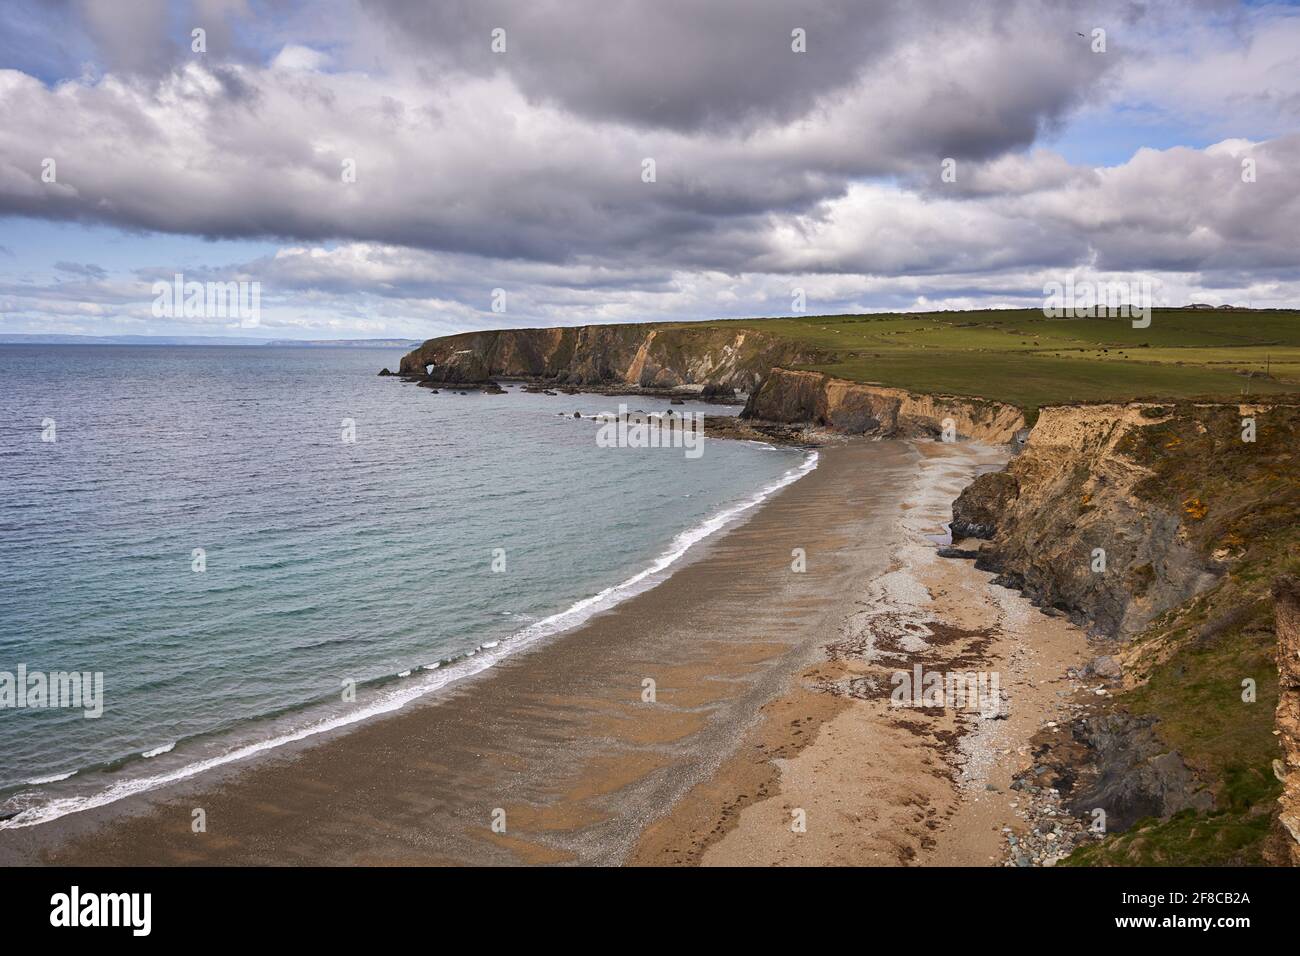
(1021, 357)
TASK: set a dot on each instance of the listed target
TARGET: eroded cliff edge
(1161, 529)
(603, 355)
(1072, 521)
(857, 408)
(1286, 594)
(709, 360)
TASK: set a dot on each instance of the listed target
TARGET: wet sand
(771, 695)
(837, 775)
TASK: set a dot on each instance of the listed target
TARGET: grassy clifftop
(1025, 359)
(1015, 356)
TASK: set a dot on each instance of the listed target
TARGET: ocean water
(325, 563)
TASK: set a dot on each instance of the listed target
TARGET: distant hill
(14, 338)
(345, 343)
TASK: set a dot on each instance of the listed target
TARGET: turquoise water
(325, 561)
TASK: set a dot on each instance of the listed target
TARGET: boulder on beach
(1105, 666)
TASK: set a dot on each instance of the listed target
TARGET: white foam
(159, 751)
(393, 698)
(37, 781)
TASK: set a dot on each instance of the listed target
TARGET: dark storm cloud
(537, 153)
(472, 166)
(131, 37)
(686, 65)
(673, 63)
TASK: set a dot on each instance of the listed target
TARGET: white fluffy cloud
(773, 169)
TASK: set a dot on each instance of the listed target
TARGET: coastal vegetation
(1020, 357)
(1209, 666)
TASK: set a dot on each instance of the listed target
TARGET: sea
(250, 546)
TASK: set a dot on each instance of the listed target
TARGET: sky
(409, 169)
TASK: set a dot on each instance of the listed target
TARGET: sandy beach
(876, 784)
(737, 714)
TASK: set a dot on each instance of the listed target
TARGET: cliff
(1161, 528)
(857, 408)
(707, 358)
(1114, 514)
(1073, 532)
(1286, 594)
(643, 356)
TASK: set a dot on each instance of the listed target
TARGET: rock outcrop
(1132, 774)
(1068, 526)
(982, 504)
(856, 408)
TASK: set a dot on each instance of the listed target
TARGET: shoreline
(584, 770)
(386, 695)
(873, 784)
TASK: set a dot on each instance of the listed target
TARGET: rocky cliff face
(1161, 529)
(1286, 593)
(707, 358)
(1070, 528)
(855, 408)
(602, 355)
